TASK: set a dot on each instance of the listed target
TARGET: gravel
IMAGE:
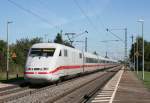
(56, 91)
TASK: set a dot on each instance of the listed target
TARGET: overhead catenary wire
(31, 12)
(97, 16)
(105, 27)
(80, 34)
(86, 16)
(115, 35)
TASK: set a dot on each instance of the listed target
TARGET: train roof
(46, 45)
(55, 45)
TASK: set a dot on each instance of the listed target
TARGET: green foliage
(95, 53)
(146, 78)
(12, 77)
(147, 65)
(146, 53)
(3, 54)
(60, 40)
(20, 48)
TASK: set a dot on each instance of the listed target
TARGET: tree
(60, 40)
(3, 54)
(21, 49)
(146, 52)
(95, 53)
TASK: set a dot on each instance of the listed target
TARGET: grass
(12, 77)
(146, 78)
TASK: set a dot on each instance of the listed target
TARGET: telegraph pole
(125, 47)
(133, 52)
(85, 44)
(106, 56)
(137, 54)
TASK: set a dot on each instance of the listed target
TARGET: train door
(75, 61)
(60, 62)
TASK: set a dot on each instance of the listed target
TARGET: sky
(45, 18)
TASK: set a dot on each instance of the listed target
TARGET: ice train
(48, 62)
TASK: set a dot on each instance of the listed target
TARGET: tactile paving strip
(107, 94)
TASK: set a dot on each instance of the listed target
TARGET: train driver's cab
(42, 52)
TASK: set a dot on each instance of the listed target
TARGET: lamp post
(142, 23)
(7, 71)
(85, 44)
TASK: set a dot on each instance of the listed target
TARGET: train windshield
(42, 52)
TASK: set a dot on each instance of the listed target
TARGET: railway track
(12, 90)
(53, 93)
(83, 93)
(16, 89)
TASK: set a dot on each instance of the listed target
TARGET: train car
(48, 62)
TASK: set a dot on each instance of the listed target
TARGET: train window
(91, 60)
(80, 55)
(87, 60)
(60, 53)
(42, 52)
(65, 53)
(103, 61)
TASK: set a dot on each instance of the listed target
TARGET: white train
(48, 62)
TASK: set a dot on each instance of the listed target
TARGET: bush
(147, 65)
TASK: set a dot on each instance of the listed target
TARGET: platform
(124, 87)
(131, 90)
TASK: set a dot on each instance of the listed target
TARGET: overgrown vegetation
(20, 48)
(146, 56)
(146, 78)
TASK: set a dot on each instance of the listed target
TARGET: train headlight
(45, 68)
(28, 68)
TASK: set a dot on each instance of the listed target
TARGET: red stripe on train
(65, 67)
(29, 73)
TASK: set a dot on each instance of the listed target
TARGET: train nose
(40, 77)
